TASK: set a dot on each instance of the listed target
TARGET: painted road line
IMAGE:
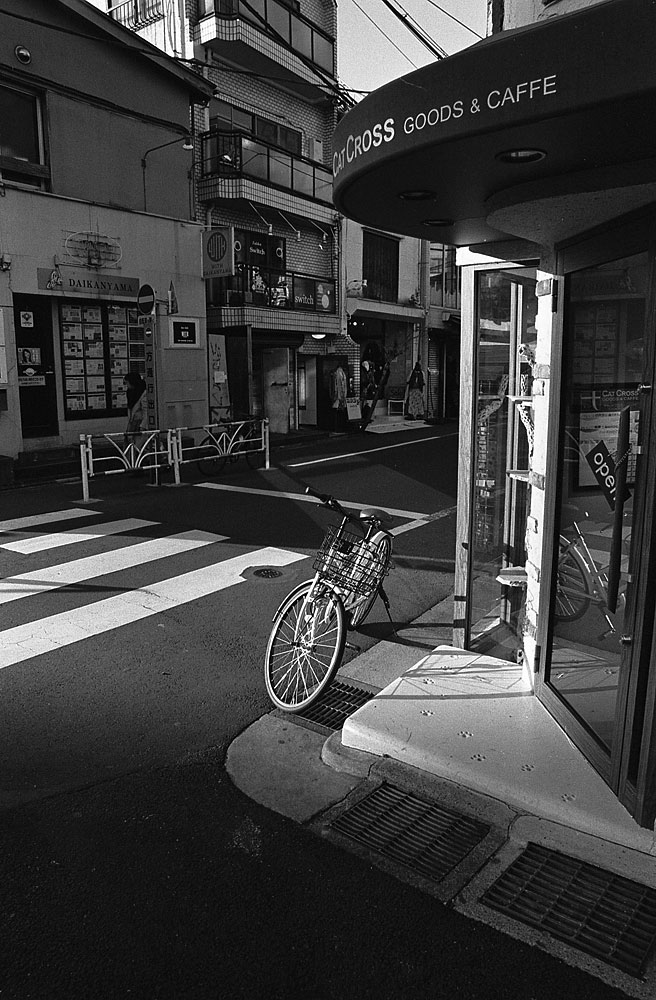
(423, 520)
(40, 543)
(57, 631)
(40, 581)
(368, 451)
(304, 498)
(22, 523)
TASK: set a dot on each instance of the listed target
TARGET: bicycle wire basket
(348, 561)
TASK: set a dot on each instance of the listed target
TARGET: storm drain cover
(335, 705)
(268, 574)
(423, 836)
(602, 914)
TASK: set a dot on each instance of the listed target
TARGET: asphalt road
(114, 690)
(130, 865)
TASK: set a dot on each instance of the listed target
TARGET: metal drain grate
(335, 705)
(268, 573)
(423, 836)
(602, 914)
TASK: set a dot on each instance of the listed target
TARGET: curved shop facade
(534, 152)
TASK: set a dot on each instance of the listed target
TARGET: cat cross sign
(146, 300)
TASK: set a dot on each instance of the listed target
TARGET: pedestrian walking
(136, 396)
(416, 383)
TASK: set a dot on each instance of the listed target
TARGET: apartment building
(300, 291)
(94, 206)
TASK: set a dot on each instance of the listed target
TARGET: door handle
(626, 640)
(644, 388)
(614, 565)
(281, 384)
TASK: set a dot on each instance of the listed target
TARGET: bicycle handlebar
(331, 502)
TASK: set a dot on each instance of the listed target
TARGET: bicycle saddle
(375, 514)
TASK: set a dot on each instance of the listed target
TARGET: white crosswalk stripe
(72, 514)
(55, 631)
(43, 543)
(39, 581)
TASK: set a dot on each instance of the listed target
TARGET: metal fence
(210, 445)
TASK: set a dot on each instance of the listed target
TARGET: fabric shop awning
(536, 133)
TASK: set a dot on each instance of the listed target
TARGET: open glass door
(502, 440)
(597, 672)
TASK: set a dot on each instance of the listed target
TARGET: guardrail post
(174, 444)
(266, 443)
(84, 469)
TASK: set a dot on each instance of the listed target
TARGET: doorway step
(50, 463)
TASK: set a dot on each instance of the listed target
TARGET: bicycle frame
(597, 581)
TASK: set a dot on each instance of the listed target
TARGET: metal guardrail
(151, 451)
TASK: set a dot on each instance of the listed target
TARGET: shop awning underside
(537, 134)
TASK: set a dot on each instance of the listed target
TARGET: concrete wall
(104, 106)
(517, 13)
(153, 250)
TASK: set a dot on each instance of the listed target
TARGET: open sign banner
(602, 464)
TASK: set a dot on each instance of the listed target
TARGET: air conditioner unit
(315, 149)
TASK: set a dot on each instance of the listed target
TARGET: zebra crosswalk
(35, 637)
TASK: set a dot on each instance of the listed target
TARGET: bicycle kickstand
(386, 602)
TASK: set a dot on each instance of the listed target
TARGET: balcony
(233, 155)
(136, 14)
(282, 21)
(263, 288)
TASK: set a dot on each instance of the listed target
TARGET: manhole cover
(603, 914)
(268, 574)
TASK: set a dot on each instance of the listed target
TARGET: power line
(415, 28)
(454, 18)
(378, 27)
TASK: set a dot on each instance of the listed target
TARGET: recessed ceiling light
(417, 195)
(521, 155)
(439, 223)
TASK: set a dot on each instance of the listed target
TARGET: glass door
(597, 673)
(502, 442)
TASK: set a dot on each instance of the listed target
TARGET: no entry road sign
(146, 299)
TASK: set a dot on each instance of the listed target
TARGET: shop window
(380, 266)
(22, 156)
(100, 344)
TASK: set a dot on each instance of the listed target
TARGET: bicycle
(580, 582)
(232, 438)
(308, 636)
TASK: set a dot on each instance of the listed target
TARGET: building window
(232, 119)
(380, 266)
(100, 344)
(22, 158)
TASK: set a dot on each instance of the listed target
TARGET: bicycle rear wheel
(383, 549)
(573, 592)
(305, 648)
(211, 461)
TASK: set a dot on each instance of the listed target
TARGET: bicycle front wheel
(383, 549)
(305, 648)
(573, 590)
(211, 461)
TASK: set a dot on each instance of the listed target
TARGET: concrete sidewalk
(465, 733)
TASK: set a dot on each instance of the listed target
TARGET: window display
(100, 344)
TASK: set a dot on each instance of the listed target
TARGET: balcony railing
(137, 13)
(232, 154)
(285, 23)
(258, 286)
